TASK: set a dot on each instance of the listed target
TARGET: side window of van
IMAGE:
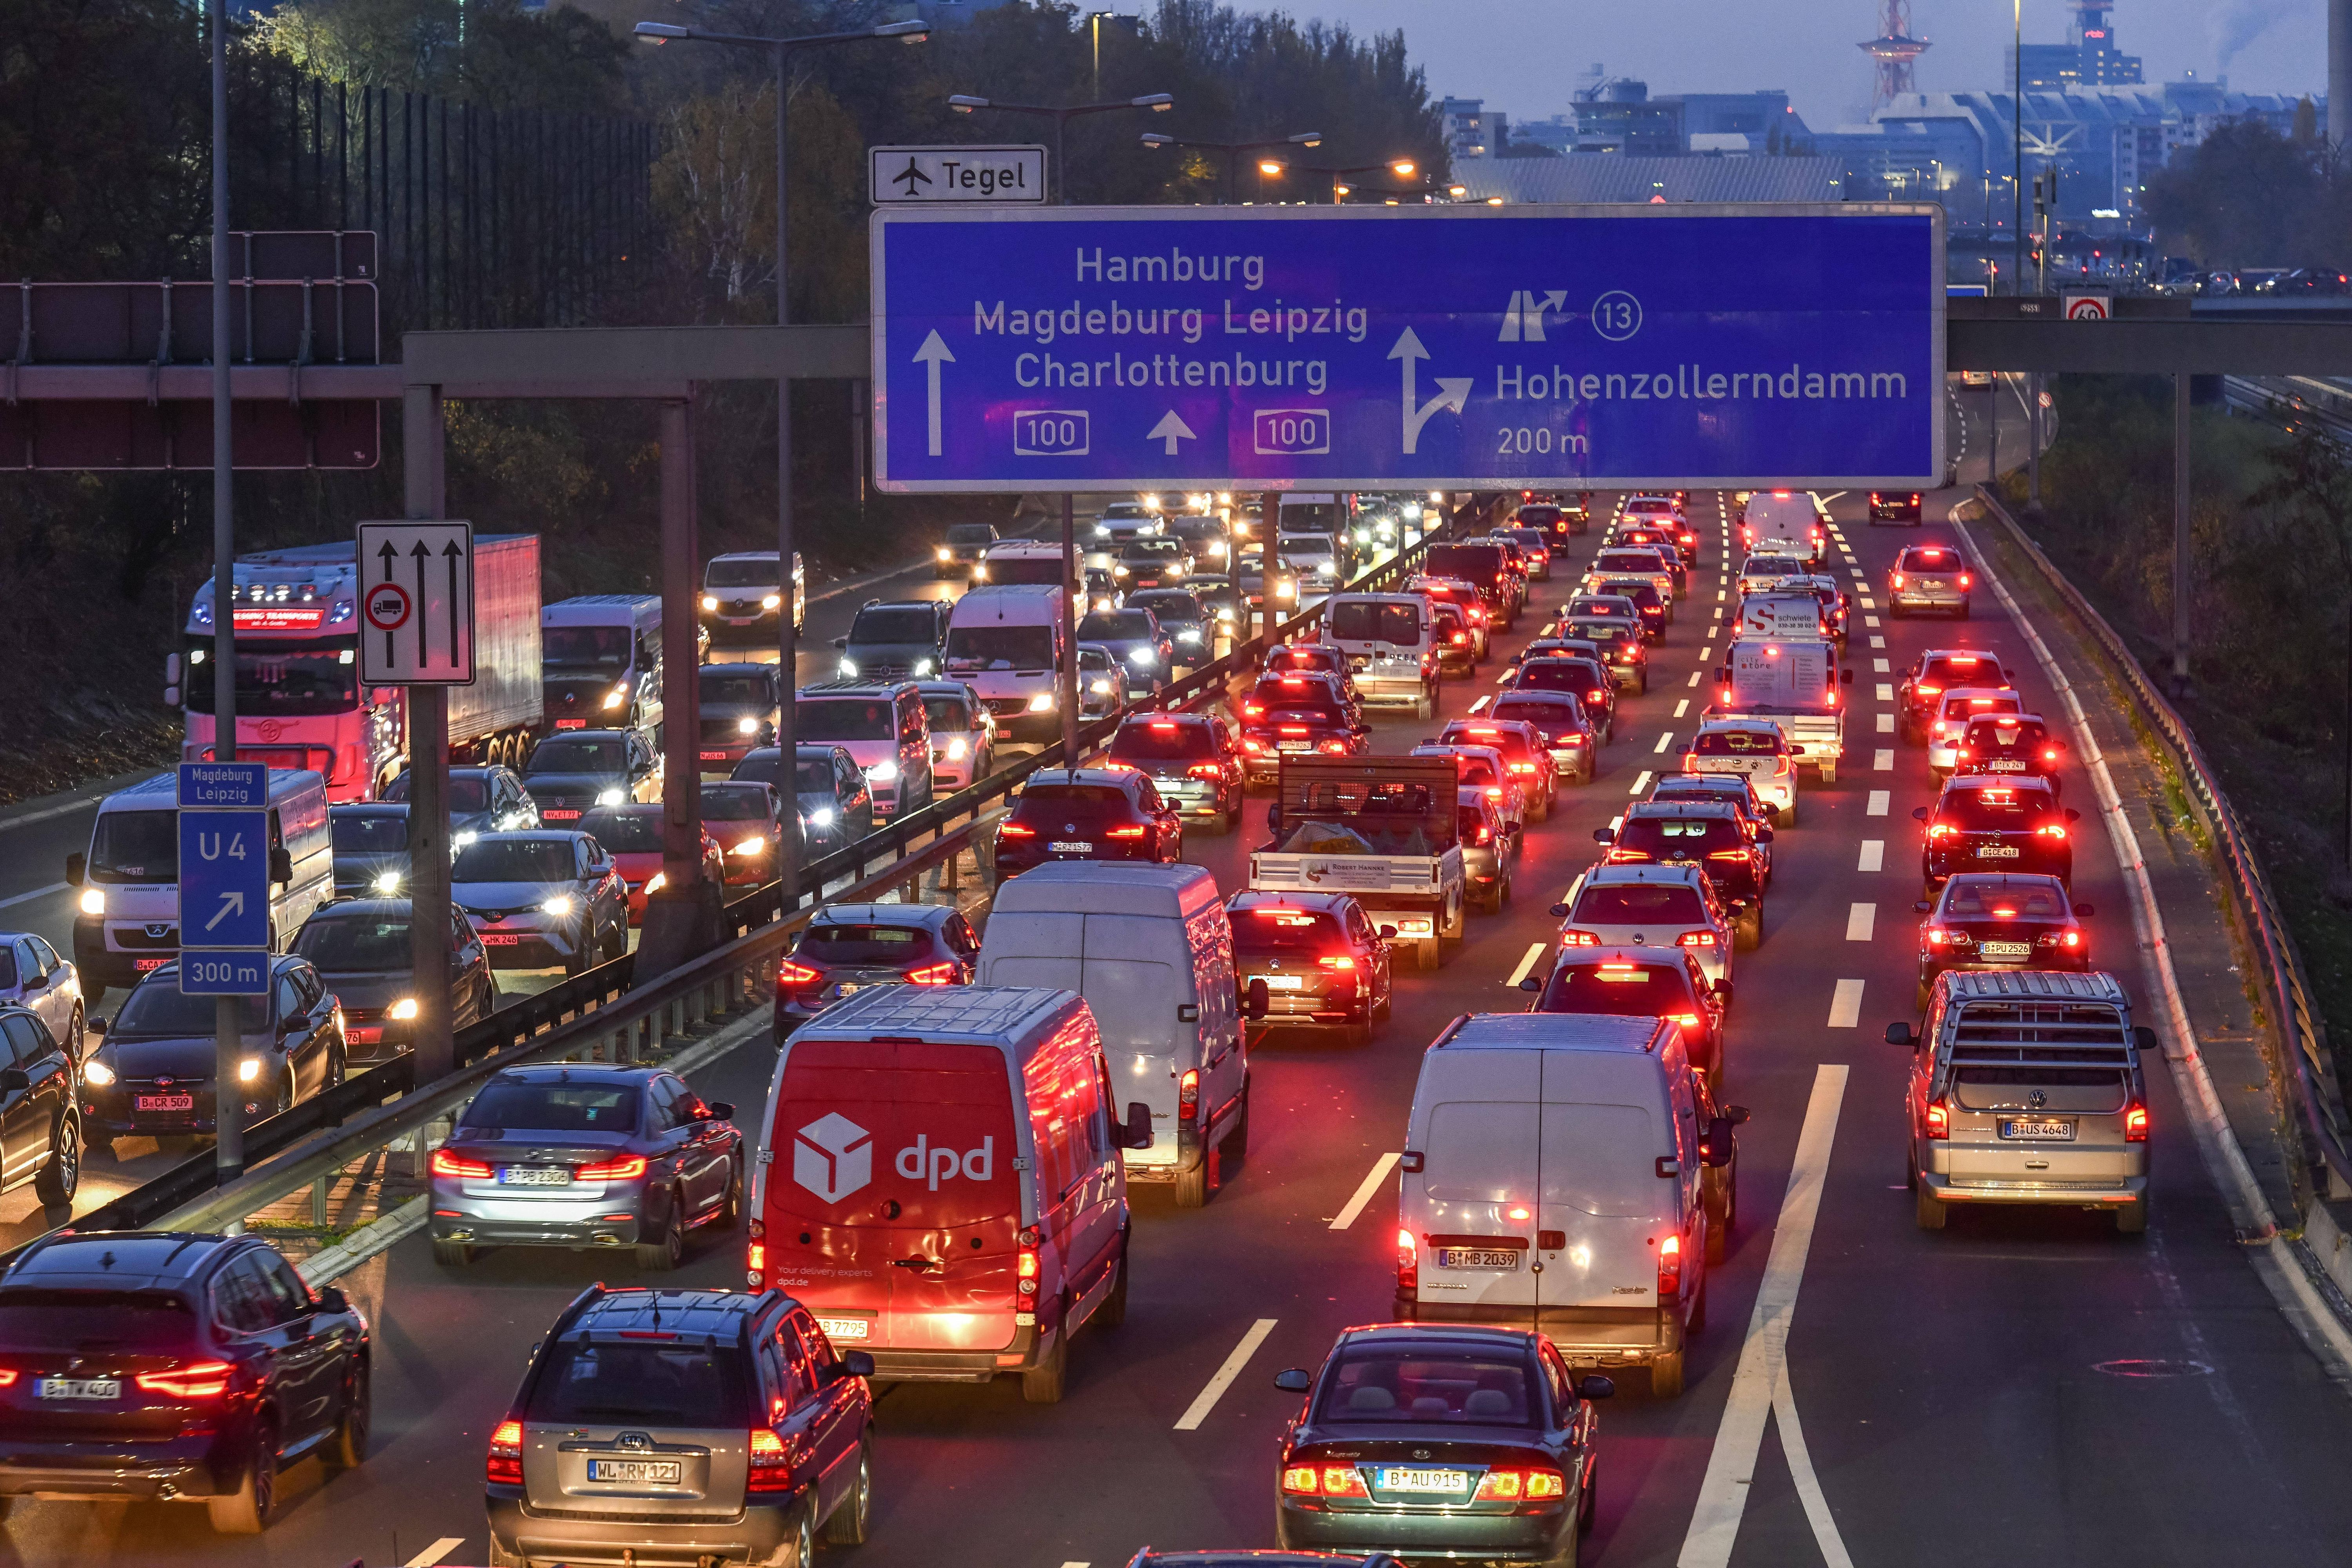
(1089, 1137)
(1052, 1125)
(1686, 1123)
(1106, 1108)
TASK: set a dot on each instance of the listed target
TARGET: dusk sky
(1525, 57)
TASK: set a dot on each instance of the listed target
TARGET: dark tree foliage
(2247, 197)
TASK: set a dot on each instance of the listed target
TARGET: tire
(452, 1254)
(501, 1558)
(1931, 1210)
(1426, 706)
(1641, 687)
(1964, 609)
(1383, 1007)
(247, 1511)
(1426, 956)
(1589, 1508)
(1893, 610)
(669, 1251)
(852, 1519)
(1193, 1186)
(1042, 1384)
(74, 1036)
(1356, 1035)
(1666, 1376)
(730, 1213)
(1113, 1311)
(2132, 1218)
(1829, 773)
(1747, 931)
(1571, 1542)
(1919, 998)
(59, 1179)
(347, 1449)
(800, 1552)
(1719, 1234)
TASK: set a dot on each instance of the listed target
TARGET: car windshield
(514, 861)
(722, 804)
(697, 1384)
(742, 572)
(1661, 837)
(1739, 744)
(1993, 809)
(1563, 674)
(1471, 562)
(1293, 694)
(1929, 558)
(1960, 669)
(135, 847)
(1637, 904)
(520, 1104)
(369, 833)
(846, 719)
(1590, 609)
(468, 791)
(2006, 735)
(156, 1007)
(1512, 743)
(1161, 740)
(1151, 550)
(1627, 561)
(971, 533)
(1970, 707)
(1545, 713)
(1359, 621)
(896, 624)
(882, 944)
(626, 832)
(33, 1320)
(1632, 990)
(576, 755)
(1088, 801)
(1115, 626)
(584, 647)
(1167, 605)
(280, 679)
(1967, 898)
(1395, 1386)
(355, 945)
(1001, 646)
(1786, 507)
(1270, 929)
(739, 692)
(948, 715)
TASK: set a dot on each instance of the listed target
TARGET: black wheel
(1192, 1184)
(848, 1523)
(730, 1208)
(1042, 1383)
(451, 1254)
(1234, 1150)
(667, 1250)
(73, 1041)
(348, 1448)
(1113, 1311)
(55, 1185)
(245, 1510)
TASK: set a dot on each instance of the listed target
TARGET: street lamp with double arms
(787, 631)
(1402, 168)
(1233, 151)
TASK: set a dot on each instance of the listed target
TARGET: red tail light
(1670, 1270)
(1485, 835)
(1964, 579)
(1188, 1095)
(1293, 730)
(793, 971)
(1578, 939)
(620, 1168)
(1458, 639)
(1697, 939)
(1728, 855)
(505, 1465)
(1687, 1020)
(1133, 831)
(2135, 1128)
(1523, 767)
(445, 1163)
(1925, 690)
(1937, 936)
(2050, 755)
(1015, 830)
(197, 1380)
(2052, 830)
(2071, 939)
(1939, 1120)
(1894, 580)
(947, 971)
(1324, 1481)
(1942, 830)
(1520, 1486)
(1408, 1266)
(1595, 695)
(1337, 748)
(1205, 771)
(1337, 961)
(1253, 709)
(770, 1466)
(1252, 746)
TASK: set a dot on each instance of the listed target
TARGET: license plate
(664, 1471)
(1393, 1479)
(167, 1103)
(1072, 847)
(714, 756)
(1997, 852)
(1295, 746)
(534, 1176)
(2044, 1129)
(557, 814)
(1281, 981)
(501, 939)
(1478, 1257)
(846, 988)
(845, 1328)
(143, 964)
(78, 1388)
(2006, 949)
(1999, 767)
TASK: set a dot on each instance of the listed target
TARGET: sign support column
(228, 1047)
(425, 498)
(1073, 585)
(1269, 529)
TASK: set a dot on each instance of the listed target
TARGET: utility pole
(228, 1035)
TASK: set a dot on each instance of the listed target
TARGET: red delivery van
(941, 1180)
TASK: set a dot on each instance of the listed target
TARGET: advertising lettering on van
(919, 1163)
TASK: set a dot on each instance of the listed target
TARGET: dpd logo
(833, 1157)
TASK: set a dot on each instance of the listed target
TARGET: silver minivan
(1553, 1177)
(2026, 1088)
(1390, 641)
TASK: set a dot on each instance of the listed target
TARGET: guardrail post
(318, 1201)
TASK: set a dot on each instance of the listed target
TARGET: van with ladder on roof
(940, 1180)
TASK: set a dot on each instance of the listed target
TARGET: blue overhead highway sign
(1263, 348)
(224, 880)
(220, 786)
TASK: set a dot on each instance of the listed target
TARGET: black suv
(166, 1367)
(683, 1425)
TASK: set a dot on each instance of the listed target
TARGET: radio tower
(1893, 51)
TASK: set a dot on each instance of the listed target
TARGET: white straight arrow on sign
(1453, 392)
(928, 357)
(1171, 430)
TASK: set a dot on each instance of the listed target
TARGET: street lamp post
(1402, 168)
(787, 630)
(1233, 151)
(1073, 583)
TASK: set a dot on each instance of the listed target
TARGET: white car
(963, 736)
(1755, 747)
(34, 976)
(1649, 905)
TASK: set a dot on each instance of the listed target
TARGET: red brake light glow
(947, 971)
(197, 1380)
(445, 1163)
(791, 971)
(505, 1465)
(2135, 1124)
(1939, 1120)
(1697, 939)
(620, 1168)
(1670, 1268)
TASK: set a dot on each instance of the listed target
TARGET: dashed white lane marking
(1868, 602)
(1718, 594)
(1882, 762)
(438, 1551)
(1879, 666)
(1664, 740)
(1694, 675)
(1368, 1190)
(1886, 723)
(1877, 642)
(1859, 921)
(1708, 651)
(1886, 691)
(1870, 621)
(1874, 856)
(1718, 612)
(1197, 1411)
(37, 893)
(1535, 953)
(1845, 1006)
(1878, 802)
(1641, 781)
(1682, 707)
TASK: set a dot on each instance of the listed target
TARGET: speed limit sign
(2088, 307)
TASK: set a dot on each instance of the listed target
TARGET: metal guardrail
(2317, 1094)
(604, 1010)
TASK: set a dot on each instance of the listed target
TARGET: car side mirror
(1845, 678)
(1387, 934)
(1558, 911)
(1256, 1000)
(2144, 1039)
(2084, 911)
(721, 1109)
(1736, 1114)
(328, 1298)
(840, 642)
(1921, 907)
(282, 864)
(1918, 814)
(1137, 1132)
(1721, 992)
(2073, 815)
(1294, 1380)
(96, 1026)
(76, 869)
(1900, 1035)
(1595, 1386)
(1716, 1149)
(1602, 835)
(1531, 984)
(1763, 835)
(1796, 750)
(855, 1363)
(1772, 815)
(14, 1079)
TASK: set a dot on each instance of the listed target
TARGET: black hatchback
(152, 1073)
(1440, 1442)
(163, 1367)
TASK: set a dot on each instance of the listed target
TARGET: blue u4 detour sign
(1260, 348)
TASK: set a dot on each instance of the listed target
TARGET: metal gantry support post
(425, 495)
(1073, 587)
(1269, 529)
(2180, 530)
(228, 1037)
(788, 870)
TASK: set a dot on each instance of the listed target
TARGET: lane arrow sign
(929, 355)
(390, 556)
(1171, 430)
(422, 558)
(451, 555)
(1453, 392)
(231, 904)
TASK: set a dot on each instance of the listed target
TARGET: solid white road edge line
(2276, 1264)
(1366, 1193)
(1845, 1006)
(1763, 1356)
(36, 893)
(1536, 950)
(438, 1551)
(1199, 1410)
